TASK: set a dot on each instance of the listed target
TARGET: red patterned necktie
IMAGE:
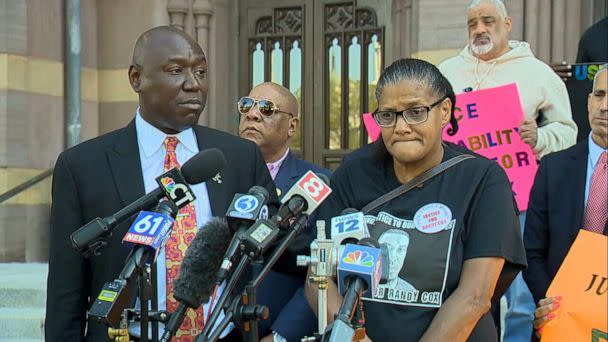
(596, 212)
(184, 231)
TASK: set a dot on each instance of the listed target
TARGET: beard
(481, 49)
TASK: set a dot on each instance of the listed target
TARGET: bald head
(280, 95)
(160, 38)
(272, 133)
(169, 73)
(597, 106)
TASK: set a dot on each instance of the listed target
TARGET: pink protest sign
(488, 125)
(372, 128)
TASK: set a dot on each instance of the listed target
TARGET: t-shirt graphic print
(416, 276)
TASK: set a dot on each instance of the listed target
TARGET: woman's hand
(267, 338)
(545, 312)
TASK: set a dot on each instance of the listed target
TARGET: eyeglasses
(266, 107)
(413, 116)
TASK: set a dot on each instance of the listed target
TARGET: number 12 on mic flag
(150, 229)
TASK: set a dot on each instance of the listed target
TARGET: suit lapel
(287, 174)
(215, 187)
(125, 164)
(578, 168)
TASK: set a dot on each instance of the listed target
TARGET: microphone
(349, 227)
(152, 229)
(358, 274)
(197, 272)
(360, 261)
(241, 214)
(173, 184)
(247, 208)
(147, 235)
(303, 197)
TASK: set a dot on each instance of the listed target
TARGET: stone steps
(22, 301)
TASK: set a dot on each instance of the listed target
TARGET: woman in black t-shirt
(454, 242)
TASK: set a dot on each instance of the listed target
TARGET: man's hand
(545, 312)
(528, 132)
(563, 70)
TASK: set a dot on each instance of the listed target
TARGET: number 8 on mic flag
(314, 187)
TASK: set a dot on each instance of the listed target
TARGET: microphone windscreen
(349, 211)
(261, 191)
(203, 166)
(369, 242)
(197, 273)
(168, 208)
(323, 177)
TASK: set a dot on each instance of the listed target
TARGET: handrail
(25, 185)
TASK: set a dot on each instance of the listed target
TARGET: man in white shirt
(99, 177)
(570, 193)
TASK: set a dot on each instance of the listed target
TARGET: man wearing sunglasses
(269, 117)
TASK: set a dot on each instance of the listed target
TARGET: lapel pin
(217, 178)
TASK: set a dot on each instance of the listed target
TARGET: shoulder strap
(421, 178)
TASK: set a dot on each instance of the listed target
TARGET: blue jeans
(520, 307)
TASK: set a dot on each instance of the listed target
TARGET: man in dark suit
(99, 177)
(269, 117)
(569, 193)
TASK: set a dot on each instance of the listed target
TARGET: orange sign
(582, 281)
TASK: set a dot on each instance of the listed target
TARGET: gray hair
(500, 6)
(595, 77)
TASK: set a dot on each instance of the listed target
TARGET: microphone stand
(244, 311)
(343, 328)
(243, 263)
(108, 311)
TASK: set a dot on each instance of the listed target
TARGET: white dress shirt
(152, 153)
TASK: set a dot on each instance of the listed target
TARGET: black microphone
(354, 279)
(197, 272)
(303, 197)
(242, 213)
(173, 184)
(147, 239)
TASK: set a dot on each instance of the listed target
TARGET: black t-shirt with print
(466, 212)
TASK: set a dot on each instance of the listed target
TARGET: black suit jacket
(555, 214)
(98, 178)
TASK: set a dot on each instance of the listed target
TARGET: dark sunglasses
(266, 107)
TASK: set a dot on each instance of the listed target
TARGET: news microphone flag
(360, 261)
(175, 187)
(312, 188)
(150, 229)
(249, 207)
(351, 226)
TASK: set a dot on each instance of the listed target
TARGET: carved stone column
(558, 34)
(203, 11)
(178, 10)
(405, 30)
